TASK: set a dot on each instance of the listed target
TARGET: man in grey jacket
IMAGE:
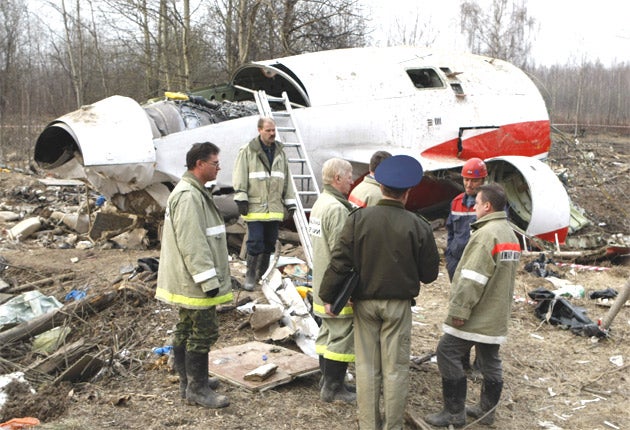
(479, 311)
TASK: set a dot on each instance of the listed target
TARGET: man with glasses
(194, 274)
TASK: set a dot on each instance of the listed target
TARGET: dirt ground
(554, 379)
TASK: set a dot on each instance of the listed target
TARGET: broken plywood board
(234, 362)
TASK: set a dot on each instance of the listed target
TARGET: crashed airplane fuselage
(442, 108)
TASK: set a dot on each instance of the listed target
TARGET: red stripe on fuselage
(528, 139)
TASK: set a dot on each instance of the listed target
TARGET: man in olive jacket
(194, 273)
(262, 190)
(479, 311)
(393, 250)
(335, 341)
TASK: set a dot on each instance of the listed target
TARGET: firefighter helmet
(474, 168)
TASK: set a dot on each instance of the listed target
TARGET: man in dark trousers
(262, 190)
(393, 250)
(479, 311)
(194, 273)
(462, 214)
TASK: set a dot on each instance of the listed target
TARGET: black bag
(347, 288)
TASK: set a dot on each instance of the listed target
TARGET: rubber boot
(262, 266)
(490, 395)
(179, 361)
(454, 412)
(250, 275)
(198, 391)
(322, 367)
(333, 387)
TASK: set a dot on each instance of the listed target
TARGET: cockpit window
(425, 78)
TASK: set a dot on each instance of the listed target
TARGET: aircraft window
(425, 78)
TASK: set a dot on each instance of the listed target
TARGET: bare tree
(283, 28)
(10, 23)
(502, 31)
(74, 63)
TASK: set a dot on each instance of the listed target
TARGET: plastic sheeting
(27, 306)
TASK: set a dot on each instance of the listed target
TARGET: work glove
(243, 207)
(211, 287)
(291, 209)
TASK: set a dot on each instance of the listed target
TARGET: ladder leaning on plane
(302, 177)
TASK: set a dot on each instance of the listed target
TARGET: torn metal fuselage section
(439, 107)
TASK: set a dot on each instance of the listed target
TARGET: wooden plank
(234, 362)
(67, 353)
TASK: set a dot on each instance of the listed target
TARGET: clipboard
(349, 285)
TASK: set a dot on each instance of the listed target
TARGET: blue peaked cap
(399, 171)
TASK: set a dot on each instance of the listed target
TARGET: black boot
(198, 391)
(262, 266)
(179, 362)
(454, 412)
(490, 395)
(250, 275)
(322, 369)
(333, 387)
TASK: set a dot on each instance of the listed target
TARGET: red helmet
(474, 168)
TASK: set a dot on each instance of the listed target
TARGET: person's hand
(457, 322)
(211, 287)
(243, 207)
(328, 311)
(291, 209)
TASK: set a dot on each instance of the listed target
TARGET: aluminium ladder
(301, 171)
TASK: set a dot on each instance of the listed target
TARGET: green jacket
(267, 188)
(194, 253)
(393, 250)
(483, 284)
(328, 215)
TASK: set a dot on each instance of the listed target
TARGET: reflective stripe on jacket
(193, 249)
(267, 188)
(367, 193)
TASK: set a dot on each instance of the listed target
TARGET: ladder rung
(274, 99)
(297, 160)
(302, 176)
(282, 114)
(291, 145)
(285, 129)
(307, 193)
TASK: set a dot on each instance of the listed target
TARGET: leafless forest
(58, 55)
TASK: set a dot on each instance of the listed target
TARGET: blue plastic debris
(75, 295)
(162, 350)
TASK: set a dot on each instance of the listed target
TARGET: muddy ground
(553, 378)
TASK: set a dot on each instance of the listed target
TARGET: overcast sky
(569, 31)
